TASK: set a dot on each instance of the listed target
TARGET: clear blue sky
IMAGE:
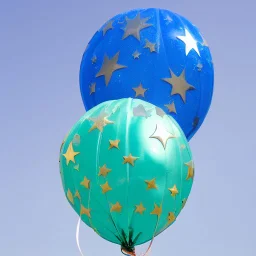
(41, 46)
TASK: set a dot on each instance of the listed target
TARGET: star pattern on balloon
(77, 195)
(140, 91)
(130, 159)
(85, 183)
(92, 88)
(171, 218)
(190, 42)
(160, 112)
(117, 207)
(140, 208)
(199, 67)
(179, 84)
(76, 139)
(107, 27)
(168, 19)
(171, 107)
(85, 211)
(134, 26)
(108, 67)
(141, 111)
(114, 144)
(151, 46)
(105, 187)
(174, 191)
(136, 54)
(76, 167)
(70, 197)
(151, 184)
(104, 171)
(94, 59)
(162, 135)
(100, 121)
(157, 210)
(70, 154)
(190, 174)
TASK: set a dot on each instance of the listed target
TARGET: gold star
(105, 187)
(116, 207)
(190, 165)
(171, 218)
(189, 41)
(70, 197)
(107, 27)
(114, 144)
(171, 107)
(151, 184)
(136, 55)
(130, 159)
(134, 26)
(183, 203)
(140, 90)
(162, 135)
(100, 121)
(85, 183)
(92, 88)
(70, 154)
(85, 211)
(104, 170)
(108, 67)
(140, 208)
(94, 59)
(179, 84)
(76, 167)
(150, 46)
(157, 210)
(77, 195)
(174, 191)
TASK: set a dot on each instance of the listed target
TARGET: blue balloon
(155, 55)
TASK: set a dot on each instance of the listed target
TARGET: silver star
(141, 111)
(168, 19)
(107, 27)
(160, 112)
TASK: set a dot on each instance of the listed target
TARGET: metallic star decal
(134, 26)
(168, 19)
(77, 195)
(94, 59)
(136, 55)
(105, 187)
(196, 121)
(162, 135)
(179, 84)
(108, 67)
(70, 154)
(107, 27)
(130, 159)
(76, 139)
(190, 42)
(171, 218)
(104, 170)
(140, 90)
(160, 112)
(76, 167)
(140, 208)
(171, 108)
(141, 111)
(116, 207)
(85, 211)
(100, 121)
(70, 197)
(85, 183)
(114, 144)
(190, 174)
(150, 46)
(174, 191)
(92, 88)
(157, 210)
(151, 184)
(199, 66)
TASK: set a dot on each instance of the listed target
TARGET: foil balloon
(154, 55)
(127, 170)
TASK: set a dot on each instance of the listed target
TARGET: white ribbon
(77, 236)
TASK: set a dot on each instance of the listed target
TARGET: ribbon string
(77, 236)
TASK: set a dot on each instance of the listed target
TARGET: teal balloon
(127, 170)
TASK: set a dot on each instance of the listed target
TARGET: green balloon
(127, 170)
